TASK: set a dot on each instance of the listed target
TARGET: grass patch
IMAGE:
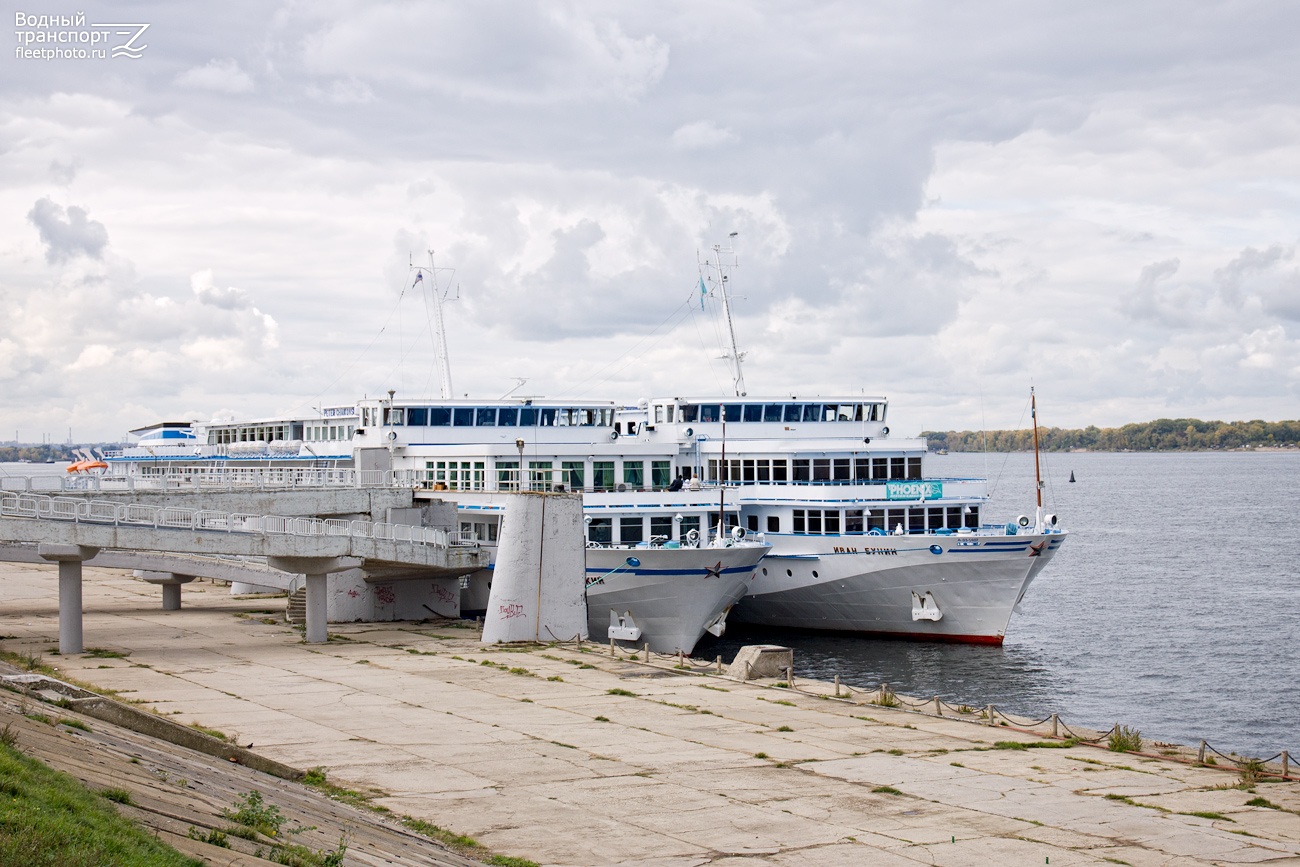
(760, 755)
(103, 653)
(885, 700)
(1125, 799)
(1205, 814)
(73, 724)
(895, 752)
(886, 790)
(49, 814)
(602, 719)
(510, 861)
(555, 678)
(212, 733)
(117, 796)
(785, 729)
(619, 691)
(214, 837)
(784, 702)
(714, 688)
(459, 842)
(254, 813)
(1262, 802)
(957, 764)
(1124, 740)
(1036, 745)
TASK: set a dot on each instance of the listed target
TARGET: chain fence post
(837, 693)
(938, 706)
(1055, 726)
(647, 651)
(611, 647)
(1286, 764)
(718, 663)
(1200, 754)
(989, 710)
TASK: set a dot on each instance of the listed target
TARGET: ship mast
(1038, 474)
(734, 356)
(440, 349)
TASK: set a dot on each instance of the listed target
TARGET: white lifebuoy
(692, 536)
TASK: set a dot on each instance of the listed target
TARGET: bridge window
(690, 413)
(527, 416)
(439, 416)
(812, 412)
(772, 412)
(507, 416)
(546, 418)
(485, 416)
(710, 412)
(793, 413)
(417, 416)
(463, 416)
(753, 412)
(732, 411)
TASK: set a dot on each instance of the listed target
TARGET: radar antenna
(433, 298)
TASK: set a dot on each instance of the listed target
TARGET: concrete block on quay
(761, 660)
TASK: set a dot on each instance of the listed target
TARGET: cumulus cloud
(228, 298)
(67, 234)
(700, 135)
(219, 75)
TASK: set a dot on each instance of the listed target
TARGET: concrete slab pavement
(530, 752)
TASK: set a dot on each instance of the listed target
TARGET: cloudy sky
(943, 203)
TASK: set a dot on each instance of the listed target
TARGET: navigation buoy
(1071, 475)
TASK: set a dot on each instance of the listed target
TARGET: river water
(1173, 607)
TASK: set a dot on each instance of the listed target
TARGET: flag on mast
(703, 292)
(419, 278)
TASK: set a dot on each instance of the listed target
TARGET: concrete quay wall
(570, 756)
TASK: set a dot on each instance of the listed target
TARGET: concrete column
(315, 569)
(70, 610)
(69, 558)
(317, 627)
(170, 583)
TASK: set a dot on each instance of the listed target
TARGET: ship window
(763, 470)
(793, 412)
(832, 523)
(689, 523)
(896, 468)
(935, 520)
(748, 471)
(879, 468)
(508, 475)
(671, 407)
(527, 417)
(916, 520)
(973, 517)
(801, 469)
(772, 412)
(690, 413)
(508, 416)
(753, 412)
(914, 468)
(439, 416)
(799, 521)
(852, 520)
(659, 413)
(634, 473)
(661, 474)
(876, 519)
(862, 469)
(463, 416)
(661, 527)
(841, 469)
(821, 470)
(631, 531)
(954, 518)
(710, 412)
(779, 471)
(814, 520)
(486, 416)
(751, 523)
(732, 411)
(773, 524)
(896, 519)
(417, 416)
(600, 531)
(571, 475)
(395, 416)
(587, 417)
(812, 412)
(602, 475)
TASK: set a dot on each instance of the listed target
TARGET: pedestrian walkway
(568, 756)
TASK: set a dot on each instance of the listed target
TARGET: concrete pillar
(69, 558)
(315, 569)
(170, 583)
(317, 627)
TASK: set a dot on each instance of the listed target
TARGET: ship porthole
(814, 573)
(789, 573)
(764, 570)
(936, 549)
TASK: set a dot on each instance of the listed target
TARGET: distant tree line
(38, 454)
(1163, 434)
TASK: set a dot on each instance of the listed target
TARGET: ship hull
(960, 588)
(672, 595)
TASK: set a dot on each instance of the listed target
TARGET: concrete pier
(568, 757)
(69, 558)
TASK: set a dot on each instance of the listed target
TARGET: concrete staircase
(296, 610)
